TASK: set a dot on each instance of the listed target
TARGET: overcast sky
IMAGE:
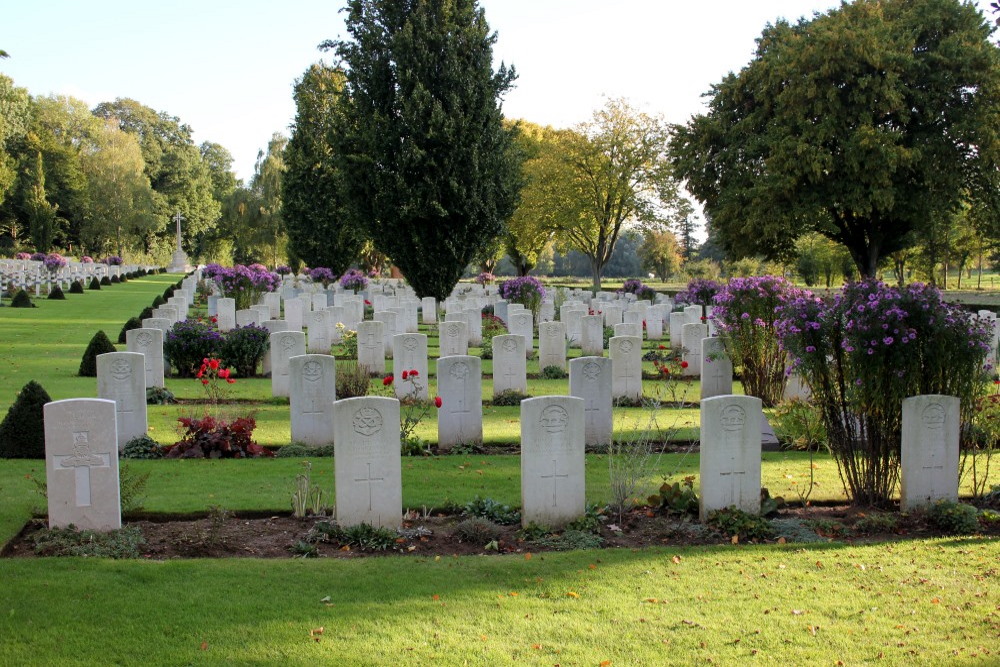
(226, 68)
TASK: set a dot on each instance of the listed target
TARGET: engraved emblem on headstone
(121, 369)
(509, 345)
(312, 371)
(287, 343)
(933, 416)
(410, 344)
(459, 371)
(367, 421)
(144, 339)
(592, 370)
(733, 418)
(453, 331)
(625, 346)
(554, 419)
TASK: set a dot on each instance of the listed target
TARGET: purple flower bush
(354, 280)
(37, 257)
(242, 283)
(699, 292)
(866, 349)
(641, 290)
(188, 342)
(526, 290)
(284, 270)
(54, 261)
(86, 259)
(745, 313)
(23, 255)
(485, 278)
(112, 260)
(321, 274)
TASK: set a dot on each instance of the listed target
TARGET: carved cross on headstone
(82, 460)
(555, 481)
(369, 479)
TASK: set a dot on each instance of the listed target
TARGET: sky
(226, 68)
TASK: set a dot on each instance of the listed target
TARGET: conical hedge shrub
(21, 300)
(105, 281)
(22, 432)
(115, 279)
(94, 283)
(147, 312)
(158, 301)
(131, 323)
(99, 344)
(76, 287)
(57, 293)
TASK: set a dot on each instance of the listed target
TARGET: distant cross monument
(179, 263)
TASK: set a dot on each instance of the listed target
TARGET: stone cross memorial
(121, 377)
(552, 460)
(367, 465)
(510, 369)
(312, 389)
(284, 346)
(460, 418)
(929, 455)
(81, 464)
(590, 380)
(729, 464)
(148, 343)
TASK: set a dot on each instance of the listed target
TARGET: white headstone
(148, 343)
(410, 354)
(272, 326)
(930, 449)
(81, 464)
(552, 460)
(226, 314)
(626, 369)
(628, 329)
(460, 417)
(428, 310)
(717, 369)
(691, 337)
(121, 377)
(612, 314)
(294, 312)
(522, 324)
(693, 314)
(590, 380)
(500, 309)
(312, 390)
(730, 454)
(677, 322)
(552, 345)
(574, 325)
(510, 370)
(453, 338)
(796, 388)
(371, 346)
(389, 328)
(284, 346)
(246, 317)
(474, 318)
(320, 323)
(592, 335)
(367, 465)
(273, 302)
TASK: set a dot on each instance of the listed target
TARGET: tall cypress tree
(428, 169)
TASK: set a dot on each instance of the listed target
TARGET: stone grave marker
(628, 329)
(284, 346)
(121, 377)
(552, 345)
(312, 391)
(612, 314)
(410, 353)
(148, 343)
(460, 417)
(246, 317)
(371, 346)
(691, 337)
(388, 320)
(273, 302)
(717, 369)
(693, 314)
(509, 364)
(592, 335)
(81, 464)
(626, 368)
(574, 325)
(930, 449)
(320, 324)
(730, 454)
(453, 337)
(367, 465)
(590, 380)
(226, 317)
(294, 312)
(500, 309)
(552, 460)
(547, 312)
(676, 331)
(272, 326)
(428, 310)
(522, 324)
(474, 319)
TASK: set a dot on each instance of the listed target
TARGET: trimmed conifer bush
(124, 278)
(131, 323)
(115, 279)
(57, 293)
(167, 293)
(21, 300)
(158, 301)
(146, 313)
(22, 432)
(105, 281)
(99, 344)
(76, 287)
(94, 283)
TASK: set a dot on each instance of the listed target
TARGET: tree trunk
(595, 270)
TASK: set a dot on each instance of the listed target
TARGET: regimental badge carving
(287, 343)
(410, 344)
(144, 339)
(554, 419)
(509, 345)
(625, 346)
(733, 418)
(453, 331)
(459, 371)
(933, 416)
(121, 369)
(312, 371)
(592, 370)
(367, 421)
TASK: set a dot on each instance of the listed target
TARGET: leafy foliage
(99, 344)
(732, 521)
(95, 284)
(22, 431)
(130, 323)
(21, 300)
(477, 529)
(955, 518)
(554, 373)
(56, 293)
(142, 447)
(509, 397)
(190, 341)
(677, 498)
(492, 510)
(243, 348)
(213, 438)
(123, 543)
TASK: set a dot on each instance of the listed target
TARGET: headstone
(574, 325)
(500, 310)
(693, 314)
(121, 377)
(633, 317)
(626, 368)
(389, 329)
(409, 354)
(319, 301)
(592, 335)
(81, 464)
(590, 380)
(710, 321)
(930, 448)
(148, 343)
(628, 329)
(272, 326)
(796, 388)
(246, 317)
(509, 365)
(522, 324)
(717, 369)
(312, 391)
(371, 346)
(167, 313)
(284, 346)
(294, 312)
(319, 331)
(474, 318)
(460, 417)
(691, 337)
(213, 305)
(428, 310)
(677, 322)
(654, 324)
(367, 465)
(547, 312)
(552, 345)
(453, 337)
(273, 302)
(612, 314)
(552, 460)
(226, 317)
(730, 454)
(263, 314)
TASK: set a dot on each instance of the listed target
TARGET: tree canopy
(427, 165)
(863, 124)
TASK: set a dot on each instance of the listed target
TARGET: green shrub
(876, 522)
(676, 498)
(105, 281)
(167, 293)
(609, 333)
(56, 294)
(146, 313)
(243, 348)
(570, 540)
(188, 342)
(509, 397)
(115, 279)
(123, 543)
(159, 301)
(124, 278)
(159, 396)
(142, 447)
(477, 530)
(130, 323)
(492, 326)
(362, 536)
(554, 373)
(94, 283)
(954, 518)
(21, 300)
(352, 380)
(76, 287)
(492, 510)
(799, 425)
(732, 521)
(297, 450)
(99, 344)
(22, 432)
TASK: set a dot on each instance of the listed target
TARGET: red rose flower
(406, 374)
(204, 380)
(213, 364)
(387, 380)
(684, 364)
(413, 373)
(437, 401)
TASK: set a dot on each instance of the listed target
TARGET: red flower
(665, 370)
(200, 373)
(437, 401)
(213, 364)
(224, 373)
(406, 374)
(204, 380)
(387, 380)
(230, 380)
(413, 373)
(215, 320)
(684, 364)
(204, 362)
(367, 302)
(662, 347)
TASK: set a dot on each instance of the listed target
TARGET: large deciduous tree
(427, 164)
(863, 124)
(319, 229)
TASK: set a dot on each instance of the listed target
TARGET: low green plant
(954, 518)
(348, 343)
(159, 396)
(308, 497)
(22, 431)
(876, 523)
(570, 540)
(105, 281)
(367, 537)
(799, 425)
(56, 294)
(116, 544)
(735, 522)
(826, 527)
(477, 530)
(609, 333)
(132, 485)
(492, 510)
(99, 344)
(243, 348)
(534, 532)
(769, 506)
(297, 450)
(114, 280)
(211, 438)
(554, 373)
(142, 447)
(492, 326)
(509, 397)
(303, 549)
(796, 530)
(353, 380)
(21, 300)
(591, 521)
(676, 498)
